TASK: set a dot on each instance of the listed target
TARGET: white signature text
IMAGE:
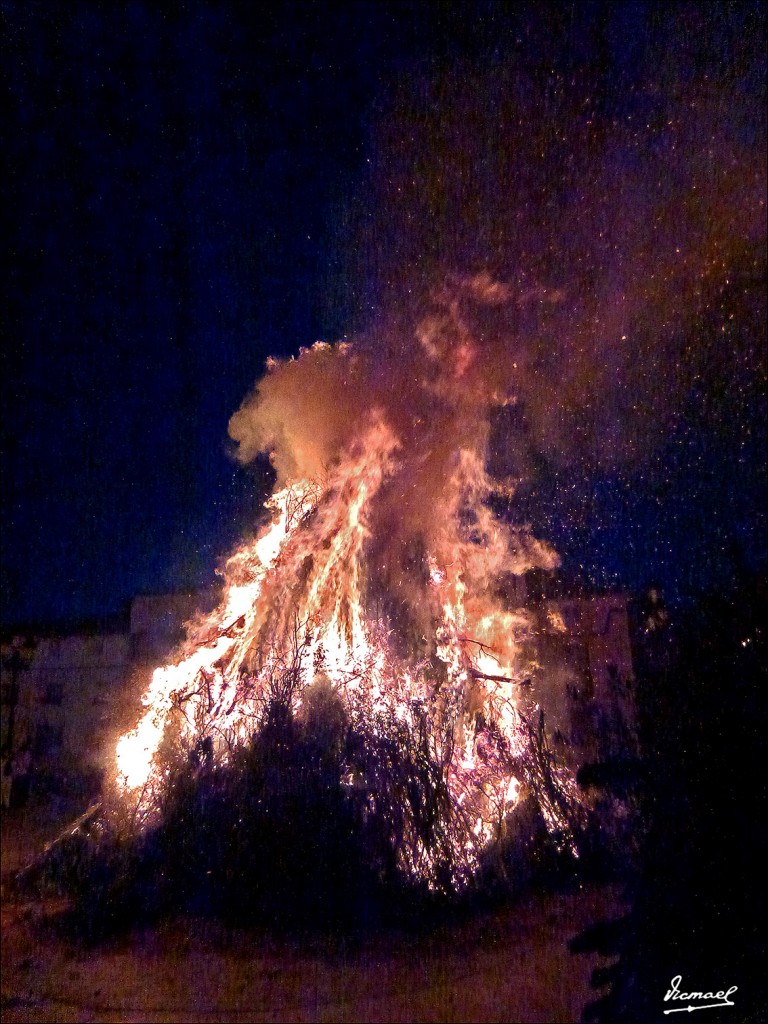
(714, 999)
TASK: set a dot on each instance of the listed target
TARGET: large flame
(378, 574)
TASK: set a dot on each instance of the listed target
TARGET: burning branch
(376, 510)
(483, 647)
(477, 674)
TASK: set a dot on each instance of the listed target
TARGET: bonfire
(376, 586)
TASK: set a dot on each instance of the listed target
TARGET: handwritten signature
(722, 997)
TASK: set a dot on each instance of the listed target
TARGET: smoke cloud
(542, 264)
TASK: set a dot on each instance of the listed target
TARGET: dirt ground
(510, 965)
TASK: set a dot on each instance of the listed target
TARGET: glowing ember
(378, 576)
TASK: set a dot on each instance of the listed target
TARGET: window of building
(48, 739)
(9, 693)
(53, 693)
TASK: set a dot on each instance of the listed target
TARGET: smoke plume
(615, 227)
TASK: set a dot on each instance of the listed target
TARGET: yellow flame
(294, 607)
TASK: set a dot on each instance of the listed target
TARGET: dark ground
(509, 964)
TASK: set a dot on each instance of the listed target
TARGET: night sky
(190, 188)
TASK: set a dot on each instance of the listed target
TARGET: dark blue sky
(190, 188)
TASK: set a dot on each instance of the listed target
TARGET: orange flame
(317, 597)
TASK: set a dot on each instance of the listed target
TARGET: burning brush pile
(359, 713)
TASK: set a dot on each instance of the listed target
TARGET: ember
(377, 580)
